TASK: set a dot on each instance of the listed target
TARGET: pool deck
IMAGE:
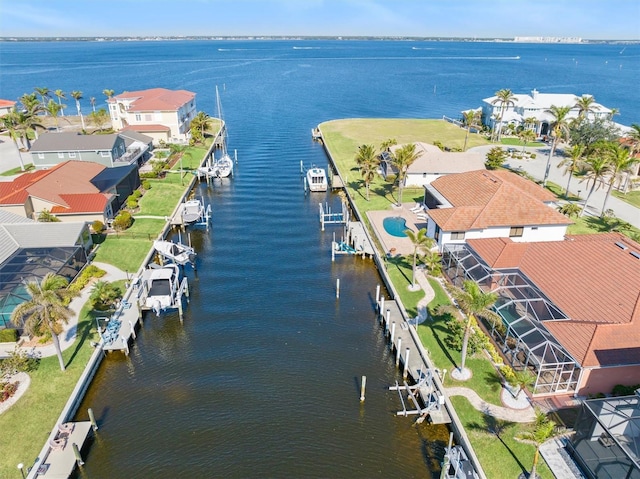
(401, 246)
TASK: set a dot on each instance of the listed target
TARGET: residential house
(29, 250)
(570, 309)
(536, 105)
(6, 106)
(433, 163)
(111, 150)
(165, 115)
(72, 191)
(490, 204)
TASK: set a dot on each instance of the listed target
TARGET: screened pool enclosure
(522, 336)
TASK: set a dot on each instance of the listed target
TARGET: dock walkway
(62, 458)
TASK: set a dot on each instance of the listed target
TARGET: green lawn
(517, 142)
(34, 416)
(163, 196)
(633, 197)
(18, 170)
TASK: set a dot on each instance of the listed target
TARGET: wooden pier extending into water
(64, 451)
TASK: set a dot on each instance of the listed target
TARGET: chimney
(534, 93)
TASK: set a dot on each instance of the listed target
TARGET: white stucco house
(159, 113)
(491, 204)
(536, 105)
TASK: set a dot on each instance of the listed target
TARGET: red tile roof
(483, 199)
(593, 279)
(83, 203)
(56, 185)
(155, 99)
(7, 103)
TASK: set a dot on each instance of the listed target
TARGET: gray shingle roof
(53, 142)
(38, 235)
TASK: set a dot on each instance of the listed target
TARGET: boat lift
(426, 399)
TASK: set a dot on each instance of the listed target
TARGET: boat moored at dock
(160, 288)
(316, 179)
(177, 253)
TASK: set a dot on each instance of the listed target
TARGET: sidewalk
(535, 167)
(68, 335)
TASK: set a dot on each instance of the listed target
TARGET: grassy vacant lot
(33, 417)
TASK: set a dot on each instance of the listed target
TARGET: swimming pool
(395, 226)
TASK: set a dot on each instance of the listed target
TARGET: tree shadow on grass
(497, 427)
(400, 261)
(494, 380)
(437, 326)
(83, 333)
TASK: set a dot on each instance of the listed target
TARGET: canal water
(262, 379)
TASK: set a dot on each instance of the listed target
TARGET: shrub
(123, 221)
(132, 203)
(148, 174)
(495, 355)
(91, 271)
(136, 194)
(8, 335)
(509, 374)
(146, 184)
(97, 226)
(495, 158)
(104, 295)
(7, 390)
(477, 339)
(18, 361)
(439, 144)
(622, 390)
(532, 155)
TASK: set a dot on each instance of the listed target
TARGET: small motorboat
(176, 252)
(161, 286)
(317, 179)
(192, 211)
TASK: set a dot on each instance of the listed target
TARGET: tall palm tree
(53, 109)
(421, 242)
(61, 96)
(387, 144)
(26, 122)
(365, 154)
(77, 95)
(597, 168)
(559, 131)
(504, 98)
(178, 152)
(620, 165)
(108, 93)
(474, 303)
(470, 119)
(45, 309)
(31, 104)
(527, 136)
(200, 124)
(584, 105)
(404, 158)
(543, 430)
(45, 94)
(572, 164)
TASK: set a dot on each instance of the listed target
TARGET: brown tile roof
(496, 198)
(155, 99)
(53, 185)
(593, 279)
(83, 203)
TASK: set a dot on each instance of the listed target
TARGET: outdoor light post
(21, 467)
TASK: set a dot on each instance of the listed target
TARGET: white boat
(317, 179)
(222, 166)
(161, 286)
(457, 465)
(192, 211)
(176, 252)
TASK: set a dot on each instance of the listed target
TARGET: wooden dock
(424, 398)
(118, 329)
(64, 452)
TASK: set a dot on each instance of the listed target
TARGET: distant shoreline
(554, 41)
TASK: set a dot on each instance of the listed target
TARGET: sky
(588, 19)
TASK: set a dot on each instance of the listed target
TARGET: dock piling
(76, 452)
(338, 288)
(406, 363)
(92, 420)
(393, 333)
(377, 293)
(362, 388)
(398, 351)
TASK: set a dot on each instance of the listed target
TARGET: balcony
(130, 156)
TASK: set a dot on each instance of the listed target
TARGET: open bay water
(262, 380)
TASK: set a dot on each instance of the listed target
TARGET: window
(516, 232)
(105, 154)
(60, 155)
(138, 117)
(457, 235)
(72, 154)
(41, 156)
(148, 118)
(436, 235)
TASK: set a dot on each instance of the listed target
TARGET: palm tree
(421, 242)
(504, 98)
(108, 93)
(61, 95)
(404, 158)
(597, 168)
(570, 209)
(470, 119)
(559, 131)
(365, 154)
(44, 94)
(620, 165)
(200, 124)
(26, 122)
(433, 261)
(44, 309)
(473, 302)
(584, 105)
(543, 430)
(45, 216)
(178, 151)
(387, 144)
(77, 95)
(526, 136)
(368, 171)
(572, 164)
(53, 109)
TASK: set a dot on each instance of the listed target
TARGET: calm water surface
(262, 378)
